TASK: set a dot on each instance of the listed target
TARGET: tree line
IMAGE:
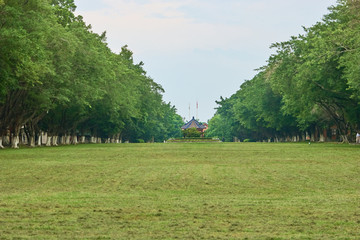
(58, 76)
(308, 90)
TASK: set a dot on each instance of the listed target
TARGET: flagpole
(189, 112)
(197, 110)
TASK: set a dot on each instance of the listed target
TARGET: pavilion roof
(193, 124)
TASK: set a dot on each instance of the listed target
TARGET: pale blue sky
(199, 50)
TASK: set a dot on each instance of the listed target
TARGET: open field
(181, 191)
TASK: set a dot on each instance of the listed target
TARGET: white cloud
(211, 43)
(160, 26)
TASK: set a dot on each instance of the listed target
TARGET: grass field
(181, 191)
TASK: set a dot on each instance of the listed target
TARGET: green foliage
(220, 127)
(27, 30)
(64, 10)
(191, 133)
(310, 83)
(193, 140)
(61, 77)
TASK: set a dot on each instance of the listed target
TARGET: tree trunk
(344, 138)
(32, 141)
(118, 138)
(24, 140)
(62, 140)
(6, 139)
(15, 137)
(48, 141)
(67, 139)
(1, 141)
(30, 134)
(39, 139)
(44, 138)
(312, 138)
(55, 139)
(74, 140)
(14, 141)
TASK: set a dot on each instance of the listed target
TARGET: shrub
(178, 140)
(191, 133)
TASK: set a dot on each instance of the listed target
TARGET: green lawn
(181, 191)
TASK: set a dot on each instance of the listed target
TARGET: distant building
(195, 124)
(206, 126)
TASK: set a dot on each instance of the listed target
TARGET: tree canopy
(58, 76)
(308, 86)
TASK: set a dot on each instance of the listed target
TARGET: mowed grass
(181, 191)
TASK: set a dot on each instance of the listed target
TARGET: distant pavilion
(195, 124)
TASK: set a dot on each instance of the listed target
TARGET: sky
(200, 50)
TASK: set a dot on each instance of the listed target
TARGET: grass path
(181, 191)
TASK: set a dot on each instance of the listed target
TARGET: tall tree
(25, 61)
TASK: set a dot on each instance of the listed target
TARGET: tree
(27, 28)
(306, 71)
(191, 133)
(309, 84)
(219, 127)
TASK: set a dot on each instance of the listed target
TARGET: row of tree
(58, 76)
(309, 87)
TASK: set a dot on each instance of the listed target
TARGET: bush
(194, 140)
(191, 133)
(140, 141)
